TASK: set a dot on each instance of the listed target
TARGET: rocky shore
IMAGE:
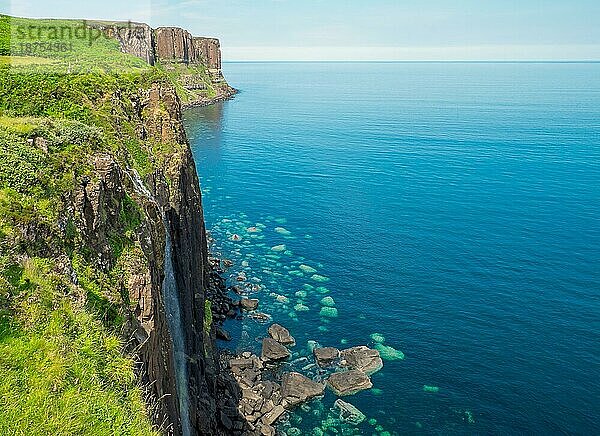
(259, 390)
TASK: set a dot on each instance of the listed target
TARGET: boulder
(273, 350)
(296, 388)
(349, 382)
(281, 335)
(249, 304)
(273, 415)
(348, 412)
(327, 356)
(362, 358)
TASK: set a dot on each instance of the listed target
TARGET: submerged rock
(349, 382)
(278, 248)
(322, 290)
(389, 353)
(378, 337)
(296, 388)
(311, 345)
(281, 335)
(432, 389)
(273, 350)
(319, 278)
(326, 356)
(307, 269)
(348, 413)
(301, 308)
(283, 231)
(362, 358)
(329, 312)
(328, 301)
(301, 294)
(282, 299)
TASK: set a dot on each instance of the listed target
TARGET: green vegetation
(63, 372)
(207, 315)
(63, 369)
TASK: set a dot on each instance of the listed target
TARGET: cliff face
(171, 202)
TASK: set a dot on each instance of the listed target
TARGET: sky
(360, 30)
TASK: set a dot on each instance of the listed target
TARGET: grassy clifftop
(63, 365)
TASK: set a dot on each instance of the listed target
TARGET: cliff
(102, 236)
(171, 48)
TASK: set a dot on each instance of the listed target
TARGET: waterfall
(170, 296)
(173, 311)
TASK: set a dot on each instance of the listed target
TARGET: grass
(62, 372)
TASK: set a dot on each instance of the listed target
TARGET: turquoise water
(455, 210)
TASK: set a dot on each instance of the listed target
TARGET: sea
(447, 214)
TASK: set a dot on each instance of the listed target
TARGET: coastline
(207, 101)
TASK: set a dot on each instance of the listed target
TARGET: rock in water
(378, 337)
(249, 303)
(281, 335)
(296, 388)
(273, 415)
(326, 356)
(362, 358)
(349, 382)
(348, 412)
(273, 350)
(433, 389)
(283, 231)
(307, 269)
(319, 278)
(389, 353)
(328, 301)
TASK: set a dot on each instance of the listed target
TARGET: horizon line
(417, 61)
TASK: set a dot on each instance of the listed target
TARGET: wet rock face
(172, 189)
